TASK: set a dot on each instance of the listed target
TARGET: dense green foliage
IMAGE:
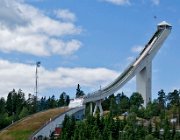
(109, 128)
(17, 107)
(137, 123)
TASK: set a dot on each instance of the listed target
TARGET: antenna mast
(37, 66)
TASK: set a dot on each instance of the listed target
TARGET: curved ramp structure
(141, 67)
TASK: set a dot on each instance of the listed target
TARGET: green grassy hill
(25, 127)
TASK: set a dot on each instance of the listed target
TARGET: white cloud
(64, 48)
(156, 2)
(118, 2)
(18, 75)
(130, 59)
(26, 29)
(65, 15)
(137, 49)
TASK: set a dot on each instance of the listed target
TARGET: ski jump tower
(141, 67)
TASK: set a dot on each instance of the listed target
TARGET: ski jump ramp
(141, 67)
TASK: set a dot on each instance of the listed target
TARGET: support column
(143, 83)
(95, 109)
(98, 104)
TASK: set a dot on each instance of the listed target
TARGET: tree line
(15, 106)
(127, 119)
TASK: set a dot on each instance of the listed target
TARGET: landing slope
(25, 127)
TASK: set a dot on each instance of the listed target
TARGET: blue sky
(89, 42)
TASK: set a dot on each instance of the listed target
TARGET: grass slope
(25, 128)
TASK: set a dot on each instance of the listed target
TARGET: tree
(130, 127)
(173, 98)
(149, 137)
(113, 107)
(76, 134)
(136, 99)
(106, 102)
(162, 102)
(166, 127)
(106, 133)
(65, 126)
(123, 103)
(19, 101)
(61, 101)
(31, 104)
(2, 105)
(152, 109)
(134, 109)
(23, 113)
(150, 127)
(67, 100)
(72, 126)
(15, 102)
(68, 127)
(9, 103)
(177, 136)
(42, 104)
(5, 120)
(161, 99)
(52, 103)
(79, 92)
(156, 132)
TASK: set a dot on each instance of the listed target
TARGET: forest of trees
(127, 119)
(124, 118)
(16, 106)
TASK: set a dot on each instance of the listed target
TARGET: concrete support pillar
(98, 104)
(95, 109)
(143, 83)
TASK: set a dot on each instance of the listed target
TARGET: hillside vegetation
(125, 118)
(25, 127)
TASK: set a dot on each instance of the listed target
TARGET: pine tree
(79, 92)
(23, 113)
(113, 107)
(124, 104)
(9, 103)
(61, 101)
(20, 101)
(2, 105)
(67, 100)
(136, 99)
(162, 102)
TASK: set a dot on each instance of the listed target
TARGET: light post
(12, 108)
(36, 82)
